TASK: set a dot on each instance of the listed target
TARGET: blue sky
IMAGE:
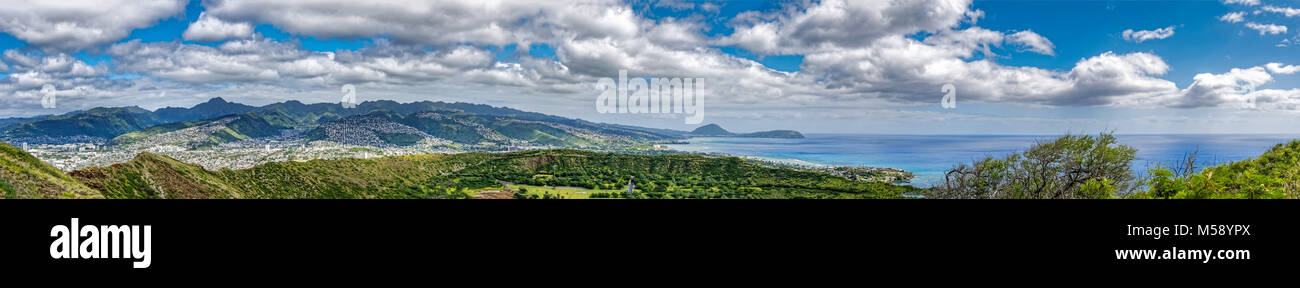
(1079, 28)
(1201, 44)
(1021, 67)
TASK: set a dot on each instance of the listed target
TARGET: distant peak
(217, 100)
(711, 129)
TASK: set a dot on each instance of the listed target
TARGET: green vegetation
(395, 129)
(1071, 167)
(98, 122)
(559, 192)
(1274, 174)
(24, 176)
(150, 175)
(1095, 167)
(214, 108)
(259, 124)
(448, 126)
(142, 134)
(537, 133)
(234, 128)
(459, 122)
(458, 175)
(400, 139)
(156, 176)
(673, 176)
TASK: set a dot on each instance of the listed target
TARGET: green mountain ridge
(377, 128)
(384, 127)
(104, 123)
(466, 127)
(213, 108)
(212, 132)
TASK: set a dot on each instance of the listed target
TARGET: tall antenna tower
(631, 185)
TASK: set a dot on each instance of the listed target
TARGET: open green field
(565, 192)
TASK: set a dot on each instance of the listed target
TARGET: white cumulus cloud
(1278, 68)
(1288, 11)
(1234, 17)
(1143, 35)
(211, 29)
(1032, 42)
(842, 24)
(80, 24)
(1242, 2)
(1272, 29)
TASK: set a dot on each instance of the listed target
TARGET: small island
(713, 130)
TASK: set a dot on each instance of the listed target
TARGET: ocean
(930, 156)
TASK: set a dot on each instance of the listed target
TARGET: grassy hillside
(150, 175)
(379, 128)
(24, 176)
(456, 128)
(132, 137)
(451, 176)
(1274, 174)
(156, 176)
(222, 130)
(538, 133)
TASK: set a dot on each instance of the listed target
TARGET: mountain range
(378, 123)
(206, 133)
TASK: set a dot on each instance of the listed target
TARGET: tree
(1071, 167)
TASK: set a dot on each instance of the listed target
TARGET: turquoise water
(929, 156)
